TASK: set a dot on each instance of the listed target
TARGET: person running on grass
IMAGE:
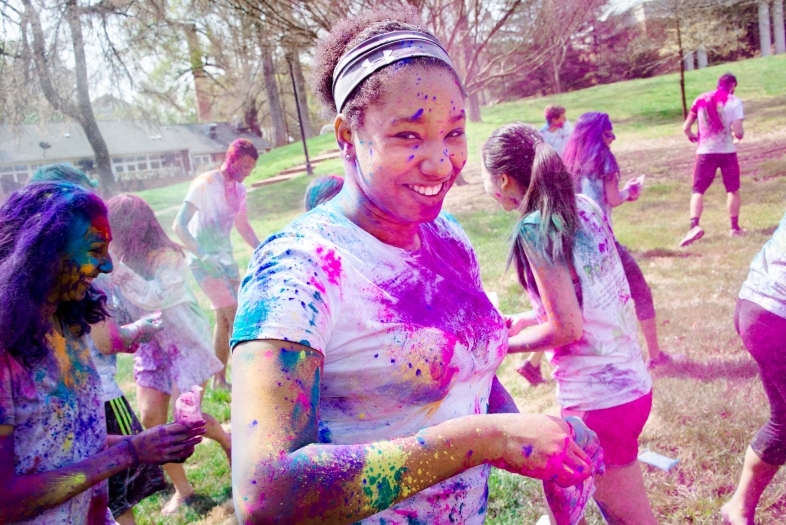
(558, 128)
(55, 454)
(719, 116)
(367, 391)
(215, 201)
(760, 319)
(150, 276)
(565, 256)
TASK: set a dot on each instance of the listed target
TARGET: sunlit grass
(706, 410)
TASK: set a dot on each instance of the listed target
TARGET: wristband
(133, 452)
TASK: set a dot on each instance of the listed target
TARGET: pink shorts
(618, 429)
(161, 369)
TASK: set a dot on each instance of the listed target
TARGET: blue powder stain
(410, 365)
(304, 342)
(417, 114)
(370, 151)
(417, 372)
(253, 424)
(425, 97)
(527, 449)
(411, 157)
(392, 360)
(376, 355)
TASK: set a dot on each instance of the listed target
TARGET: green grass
(705, 411)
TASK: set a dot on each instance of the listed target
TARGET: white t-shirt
(766, 282)
(409, 337)
(559, 138)
(217, 204)
(718, 140)
(604, 368)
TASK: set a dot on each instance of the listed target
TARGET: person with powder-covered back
(365, 349)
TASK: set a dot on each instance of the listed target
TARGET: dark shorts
(707, 164)
(618, 429)
(129, 487)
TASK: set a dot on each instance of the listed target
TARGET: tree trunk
(86, 118)
(777, 23)
(682, 66)
(765, 37)
(204, 111)
(701, 58)
(280, 137)
(690, 63)
(302, 99)
(251, 118)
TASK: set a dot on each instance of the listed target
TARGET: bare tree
(42, 65)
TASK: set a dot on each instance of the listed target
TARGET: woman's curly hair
(35, 224)
(348, 33)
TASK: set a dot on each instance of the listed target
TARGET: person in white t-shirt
(364, 388)
(216, 201)
(565, 256)
(719, 116)
(558, 128)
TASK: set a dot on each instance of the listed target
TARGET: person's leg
(621, 495)
(641, 294)
(126, 518)
(703, 175)
(730, 171)
(696, 206)
(216, 432)
(225, 319)
(762, 334)
(756, 476)
(154, 411)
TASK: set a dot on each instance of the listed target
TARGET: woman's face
(411, 146)
(608, 136)
(86, 256)
(502, 189)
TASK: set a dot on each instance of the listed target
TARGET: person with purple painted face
(55, 454)
(365, 349)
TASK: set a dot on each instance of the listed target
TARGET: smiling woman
(365, 349)
(54, 240)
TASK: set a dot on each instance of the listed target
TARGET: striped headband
(379, 51)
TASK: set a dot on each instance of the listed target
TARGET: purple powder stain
(410, 158)
(527, 450)
(417, 114)
(255, 422)
(418, 372)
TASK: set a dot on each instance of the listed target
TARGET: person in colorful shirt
(216, 201)
(106, 339)
(596, 174)
(151, 277)
(760, 319)
(565, 256)
(365, 347)
(558, 128)
(55, 454)
(719, 116)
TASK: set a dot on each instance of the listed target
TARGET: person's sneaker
(531, 373)
(738, 232)
(665, 359)
(693, 235)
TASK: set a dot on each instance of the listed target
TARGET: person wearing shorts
(718, 115)
(216, 201)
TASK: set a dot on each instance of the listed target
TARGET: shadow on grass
(711, 370)
(665, 252)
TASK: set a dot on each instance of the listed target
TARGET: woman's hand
(541, 447)
(518, 322)
(149, 326)
(633, 188)
(167, 443)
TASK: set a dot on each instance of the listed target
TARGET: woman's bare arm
(282, 474)
(564, 323)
